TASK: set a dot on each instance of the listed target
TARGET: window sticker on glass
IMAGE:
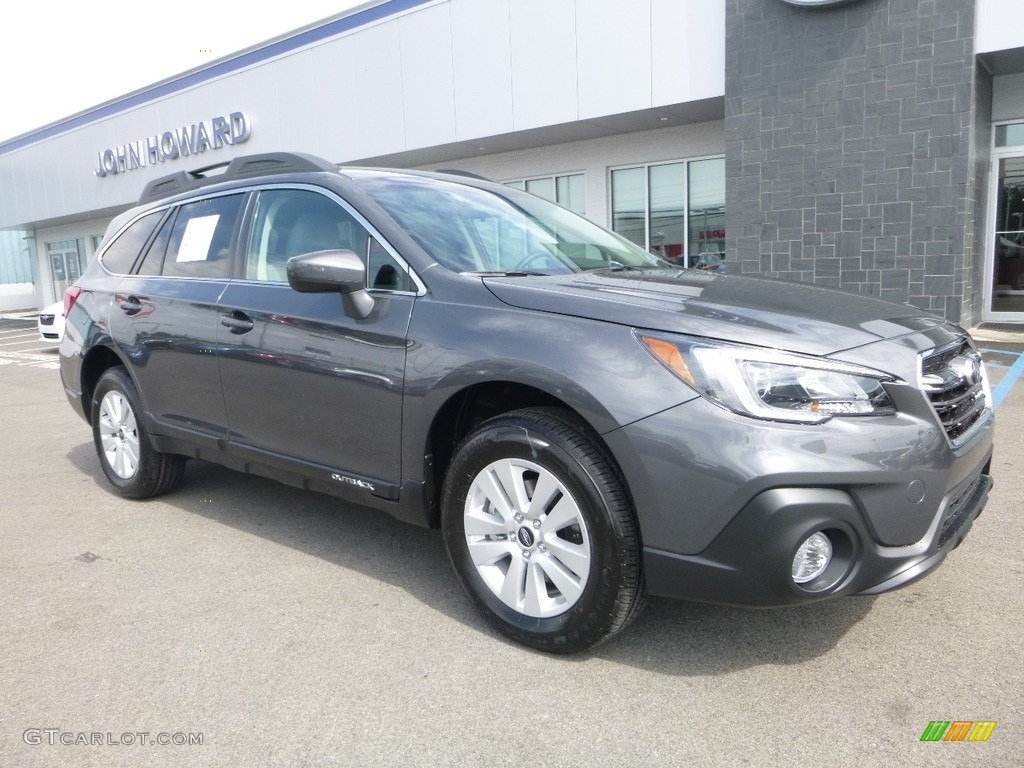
(195, 243)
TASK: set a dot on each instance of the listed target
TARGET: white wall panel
(687, 50)
(17, 188)
(255, 93)
(337, 116)
(544, 88)
(428, 95)
(70, 188)
(997, 26)
(482, 57)
(296, 95)
(614, 56)
(378, 90)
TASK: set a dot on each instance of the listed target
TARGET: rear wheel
(540, 531)
(129, 461)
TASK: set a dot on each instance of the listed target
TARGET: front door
(303, 382)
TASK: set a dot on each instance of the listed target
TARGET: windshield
(467, 229)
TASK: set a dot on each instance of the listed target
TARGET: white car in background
(51, 323)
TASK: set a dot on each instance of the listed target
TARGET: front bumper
(724, 501)
(749, 562)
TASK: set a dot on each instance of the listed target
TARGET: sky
(60, 57)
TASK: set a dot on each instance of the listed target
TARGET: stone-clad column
(852, 148)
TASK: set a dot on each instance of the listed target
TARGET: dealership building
(875, 146)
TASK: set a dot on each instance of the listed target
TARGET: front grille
(46, 319)
(953, 379)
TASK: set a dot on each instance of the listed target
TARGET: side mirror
(332, 272)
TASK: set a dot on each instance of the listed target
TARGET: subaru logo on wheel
(525, 537)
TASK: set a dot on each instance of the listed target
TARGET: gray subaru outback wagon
(586, 422)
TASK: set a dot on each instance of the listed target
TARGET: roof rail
(244, 167)
(460, 172)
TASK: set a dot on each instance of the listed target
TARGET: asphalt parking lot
(282, 628)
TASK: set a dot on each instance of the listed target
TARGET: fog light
(812, 558)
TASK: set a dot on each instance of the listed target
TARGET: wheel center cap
(525, 536)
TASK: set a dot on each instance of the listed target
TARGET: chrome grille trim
(952, 377)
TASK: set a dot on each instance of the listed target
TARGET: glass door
(1007, 292)
(1003, 276)
(66, 264)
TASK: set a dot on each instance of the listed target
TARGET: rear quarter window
(120, 255)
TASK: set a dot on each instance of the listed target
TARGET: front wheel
(130, 462)
(540, 531)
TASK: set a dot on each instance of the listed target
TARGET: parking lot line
(16, 343)
(1002, 389)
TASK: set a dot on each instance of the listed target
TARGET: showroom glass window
(1007, 270)
(676, 210)
(569, 191)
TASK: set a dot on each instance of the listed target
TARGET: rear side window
(121, 254)
(201, 239)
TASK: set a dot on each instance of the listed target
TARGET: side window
(290, 222)
(383, 271)
(121, 253)
(153, 261)
(200, 241)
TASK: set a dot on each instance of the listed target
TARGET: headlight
(768, 384)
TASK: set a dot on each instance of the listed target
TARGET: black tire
(131, 464)
(576, 579)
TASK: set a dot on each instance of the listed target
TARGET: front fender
(596, 368)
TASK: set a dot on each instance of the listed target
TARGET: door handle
(130, 305)
(237, 322)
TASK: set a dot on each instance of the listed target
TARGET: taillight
(70, 297)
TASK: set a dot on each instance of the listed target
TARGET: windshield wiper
(615, 266)
(510, 273)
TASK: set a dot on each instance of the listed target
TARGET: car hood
(772, 313)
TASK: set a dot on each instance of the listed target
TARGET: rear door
(165, 316)
(304, 383)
